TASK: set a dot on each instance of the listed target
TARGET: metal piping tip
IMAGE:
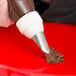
(41, 41)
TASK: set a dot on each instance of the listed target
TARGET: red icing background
(20, 56)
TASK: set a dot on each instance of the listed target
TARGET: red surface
(20, 56)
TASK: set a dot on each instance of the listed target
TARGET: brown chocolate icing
(18, 8)
(54, 57)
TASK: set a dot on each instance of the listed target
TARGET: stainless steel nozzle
(41, 41)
